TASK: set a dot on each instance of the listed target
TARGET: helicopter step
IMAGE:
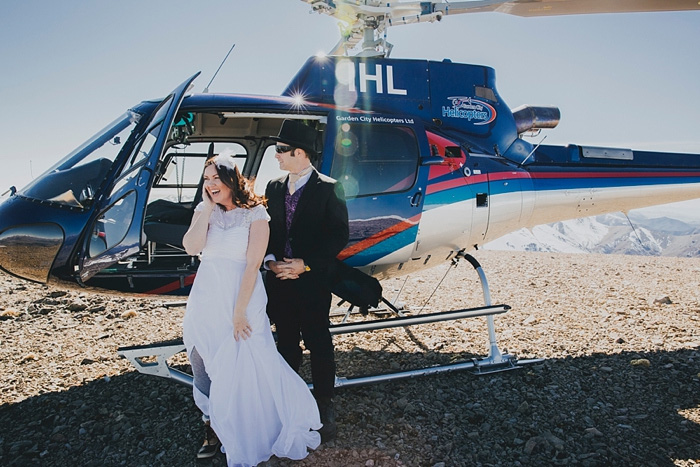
(158, 353)
(152, 359)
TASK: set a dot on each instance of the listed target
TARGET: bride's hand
(207, 201)
(241, 327)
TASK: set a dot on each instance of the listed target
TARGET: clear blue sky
(69, 68)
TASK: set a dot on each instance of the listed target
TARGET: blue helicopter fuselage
(431, 158)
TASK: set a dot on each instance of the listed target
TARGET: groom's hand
(295, 266)
(282, 269)
(290, 268)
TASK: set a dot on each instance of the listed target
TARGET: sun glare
(298, 100)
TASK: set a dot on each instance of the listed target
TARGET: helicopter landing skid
(477, 367)
(152, 359)
(495, 362)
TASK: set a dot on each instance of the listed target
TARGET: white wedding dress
(258, 405)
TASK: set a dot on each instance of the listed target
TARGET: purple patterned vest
(290, 206)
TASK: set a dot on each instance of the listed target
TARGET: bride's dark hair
(241, 187)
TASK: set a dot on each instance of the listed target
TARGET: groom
(308, 228)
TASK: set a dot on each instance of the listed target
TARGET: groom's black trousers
(299, 308)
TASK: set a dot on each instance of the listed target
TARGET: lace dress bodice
(229, 230)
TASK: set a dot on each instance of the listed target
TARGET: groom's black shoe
(211, 443)
(329, 430)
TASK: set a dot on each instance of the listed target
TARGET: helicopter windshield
(74, 180)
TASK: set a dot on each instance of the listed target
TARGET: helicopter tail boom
(597, 181)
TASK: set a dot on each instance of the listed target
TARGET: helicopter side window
(180, 178)
(142, 149)
(269, 170)
(376, 159)
(179, 188)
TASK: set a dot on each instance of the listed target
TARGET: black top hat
(295, 133)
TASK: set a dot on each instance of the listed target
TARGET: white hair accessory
(225, 159)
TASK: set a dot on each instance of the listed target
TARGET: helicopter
(433, 162)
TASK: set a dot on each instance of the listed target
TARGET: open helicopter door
(379, 166)
(115, 230)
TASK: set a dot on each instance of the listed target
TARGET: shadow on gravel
(591, 411)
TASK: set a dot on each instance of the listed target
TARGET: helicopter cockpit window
(370, 160)
(74, 180)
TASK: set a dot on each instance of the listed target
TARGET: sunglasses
(283, 149)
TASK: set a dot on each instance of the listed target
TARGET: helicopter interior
(385, 160)
(178, 184)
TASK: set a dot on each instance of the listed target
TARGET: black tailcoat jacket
(319, 229)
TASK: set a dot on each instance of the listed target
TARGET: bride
(252, 401)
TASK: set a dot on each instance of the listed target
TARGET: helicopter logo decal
(470, 109)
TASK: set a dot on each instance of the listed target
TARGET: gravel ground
(619, 383)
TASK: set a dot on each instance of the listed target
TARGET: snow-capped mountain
(609, 233)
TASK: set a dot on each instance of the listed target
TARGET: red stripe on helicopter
(362, 245)
(494, 176)
(439, 171)
(499, 176)
(612, 174)
(173, 286)
(455, 183)
(473, 179)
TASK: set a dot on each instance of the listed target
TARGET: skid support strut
(496, 361)
(152, 359)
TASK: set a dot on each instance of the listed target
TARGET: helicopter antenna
(636, 233)
(451, 266)
(206, 90)
(533, 151)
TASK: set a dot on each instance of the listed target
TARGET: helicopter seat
(166, 222)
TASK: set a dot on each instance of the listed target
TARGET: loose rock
(619, 384)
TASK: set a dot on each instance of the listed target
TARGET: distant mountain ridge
(608, 233)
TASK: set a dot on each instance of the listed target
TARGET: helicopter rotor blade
(564, 7)
(350, 10)
(365, 20)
